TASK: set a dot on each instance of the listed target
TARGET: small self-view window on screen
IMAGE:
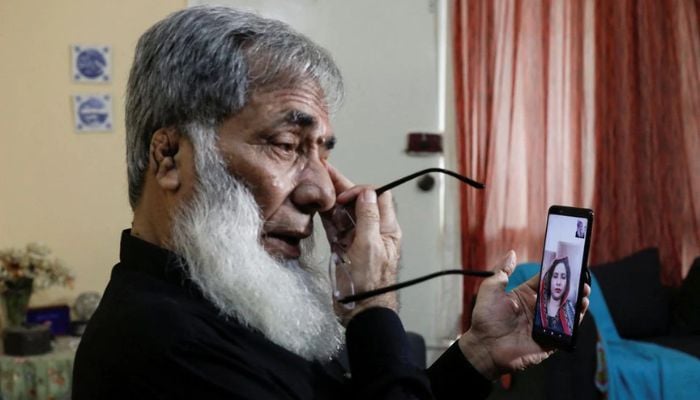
(560, 274)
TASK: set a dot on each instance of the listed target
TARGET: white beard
(218, 234)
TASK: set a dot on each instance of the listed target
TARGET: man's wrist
(388, 300)
(476, 352)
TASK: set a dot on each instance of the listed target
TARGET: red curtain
(523, 122)
(647, 105)
(590, 103)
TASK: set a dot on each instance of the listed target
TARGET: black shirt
(154, 336)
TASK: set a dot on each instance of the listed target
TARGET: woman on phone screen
(555, 309)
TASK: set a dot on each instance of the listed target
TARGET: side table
(42, 377)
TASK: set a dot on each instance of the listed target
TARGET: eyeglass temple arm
(407, 178)
(391, 288)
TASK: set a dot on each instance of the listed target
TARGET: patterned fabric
(43, 377)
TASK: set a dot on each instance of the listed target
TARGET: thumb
(506, 266)
(367, 214)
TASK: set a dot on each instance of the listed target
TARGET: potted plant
(21, 272)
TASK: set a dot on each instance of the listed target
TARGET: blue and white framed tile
(92, 112)
(92, 64)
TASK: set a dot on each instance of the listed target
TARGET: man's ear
(165, 144)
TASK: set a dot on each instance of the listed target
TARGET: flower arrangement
(33, 262)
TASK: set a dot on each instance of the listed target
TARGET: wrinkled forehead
(294, 97)
(291, 86)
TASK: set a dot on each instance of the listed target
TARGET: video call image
(561, 270)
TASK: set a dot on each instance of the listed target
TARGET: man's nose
(314, 191)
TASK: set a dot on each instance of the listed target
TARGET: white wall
(388, 54)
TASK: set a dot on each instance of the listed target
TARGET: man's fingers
(340, 182)
(507, 263)
(367, 214)
(350, 194)
(502, 270)
(585, 302)
(389, 224)
(586, 290)
(533, 283)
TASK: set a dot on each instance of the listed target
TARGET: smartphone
(563, 272)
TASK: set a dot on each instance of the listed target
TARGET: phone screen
(564, 260)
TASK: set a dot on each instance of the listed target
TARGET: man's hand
(500, 337)
(373, 253)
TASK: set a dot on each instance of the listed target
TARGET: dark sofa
(641, 308)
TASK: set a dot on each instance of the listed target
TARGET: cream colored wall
(65, 189)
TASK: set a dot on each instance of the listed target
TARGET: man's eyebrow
(299, 118)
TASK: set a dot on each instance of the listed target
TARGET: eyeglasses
(339, 224)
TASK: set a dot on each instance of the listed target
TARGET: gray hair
(200, 65)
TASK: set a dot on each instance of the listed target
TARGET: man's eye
(287, 147)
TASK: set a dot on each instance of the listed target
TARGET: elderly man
(228, 140)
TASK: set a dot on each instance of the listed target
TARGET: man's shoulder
(142, 321)
(168, 340)
(137, 307)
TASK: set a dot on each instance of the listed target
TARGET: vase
(16, 297)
